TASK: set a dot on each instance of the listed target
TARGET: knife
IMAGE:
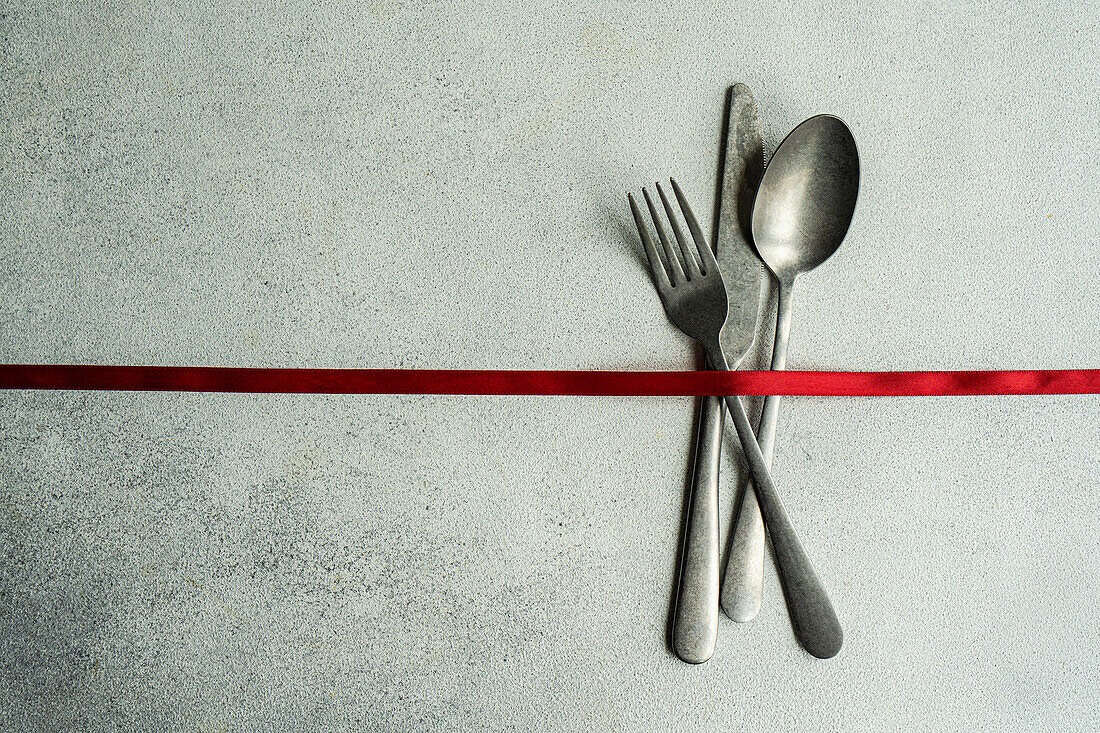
(695, 623)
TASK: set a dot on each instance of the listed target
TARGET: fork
(690, 286)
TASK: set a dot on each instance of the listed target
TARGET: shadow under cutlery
(623, 232)
(720, 171)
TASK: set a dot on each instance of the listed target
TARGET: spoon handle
(812, 615)
(743, 583)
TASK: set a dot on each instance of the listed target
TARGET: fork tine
(706, 254)
(676, 272)
(660, 277)
(691, 264)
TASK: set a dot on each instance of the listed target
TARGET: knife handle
(695, 624)
(743, 582)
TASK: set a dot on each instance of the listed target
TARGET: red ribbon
(601, 383)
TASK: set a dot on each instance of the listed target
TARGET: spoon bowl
(807, 197)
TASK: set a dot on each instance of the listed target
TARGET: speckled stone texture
(395, 184)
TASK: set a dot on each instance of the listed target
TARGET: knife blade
(695, 623)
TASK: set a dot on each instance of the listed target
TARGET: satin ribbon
(502, 382)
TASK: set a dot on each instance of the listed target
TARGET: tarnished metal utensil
(695, 624)
(693, 294)
(801, 213)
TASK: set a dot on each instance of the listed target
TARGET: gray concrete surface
(395, 184)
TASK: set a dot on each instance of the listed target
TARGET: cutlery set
(800, 208)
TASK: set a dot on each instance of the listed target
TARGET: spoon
(800, 216)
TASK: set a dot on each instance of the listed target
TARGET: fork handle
(813, 618)
(695, 624)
